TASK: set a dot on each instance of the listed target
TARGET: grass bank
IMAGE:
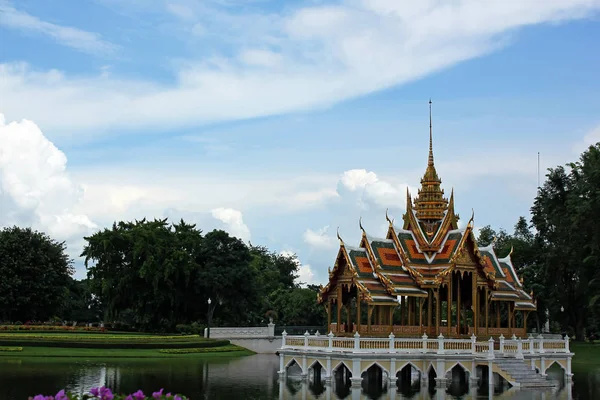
(225, 351)
(113, 345)
(587, 355)
(106, 341)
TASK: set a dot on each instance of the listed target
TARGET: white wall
(259, 345)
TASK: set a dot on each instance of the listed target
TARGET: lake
(227, 378)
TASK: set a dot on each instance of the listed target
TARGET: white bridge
(260, 339)
(521, 362)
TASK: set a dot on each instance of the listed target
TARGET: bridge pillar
(392, 373)
(356, 376)
(543, 366)
(328, 374)
(568, 372)
(440, 380)
(304, 368)
(281, 371)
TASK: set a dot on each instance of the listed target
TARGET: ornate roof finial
(338, 236)
(430, 161)
(360, 224)
(387, 218)
(511, 251)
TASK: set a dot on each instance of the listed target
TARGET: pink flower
(158, 395)
(61, 395)
(94, 392)
(139, 395)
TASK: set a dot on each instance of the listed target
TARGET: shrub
(224, 349)
(11, 349)
(104, 393)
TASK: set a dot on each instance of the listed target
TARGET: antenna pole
(538, 170)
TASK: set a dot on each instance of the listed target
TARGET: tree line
(558, 251)
(153, 275)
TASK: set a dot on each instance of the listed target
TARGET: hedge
(90, 337)
(113, 344)
(11, 349)
(223, 349)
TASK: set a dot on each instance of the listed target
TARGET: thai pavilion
(426, 276)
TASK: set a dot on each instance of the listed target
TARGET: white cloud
(35, 188)
(372, 190)
(590, 139)
(234, 221)
(306, 275)
(319, 239)
(328, 54)
(78, 39)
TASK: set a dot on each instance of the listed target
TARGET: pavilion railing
(513, 347)
(412, 330)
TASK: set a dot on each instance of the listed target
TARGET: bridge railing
(515, 347)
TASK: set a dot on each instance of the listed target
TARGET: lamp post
(209, 318)
(562, 319)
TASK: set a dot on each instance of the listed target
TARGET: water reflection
(296, 389)
(255, 378)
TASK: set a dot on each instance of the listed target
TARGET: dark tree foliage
(34, 274)
(566, 215)
(80, 304)
(155, 275)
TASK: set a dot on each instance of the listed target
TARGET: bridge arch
(376, 364)
(413, 366)
(340, 364)
(459, 364)
(293, 362)
(557, 362)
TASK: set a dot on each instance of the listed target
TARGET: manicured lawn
(224, 351)
(586, 355)
(111, 345)
(106, 341)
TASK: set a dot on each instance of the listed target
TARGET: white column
(356, 378)
(543, 366)
(502, 344)
(328, 375)
(392, 377)
(520, 349)
(440, 381)
(490, 378)
(330, 346)
(440, 344)
(490, 349)
(391, 337)
(271, 327)
(569, 374)
(424, 337)
(281, 365)
(281, 389)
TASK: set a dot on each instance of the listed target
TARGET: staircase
(517, 373)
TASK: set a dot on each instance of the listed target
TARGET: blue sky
(279, 121)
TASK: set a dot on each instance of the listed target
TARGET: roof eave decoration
(404, 258)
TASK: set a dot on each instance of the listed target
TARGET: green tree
(34, 273)
(299, 307)
(566, 212)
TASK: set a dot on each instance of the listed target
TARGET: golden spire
(430, 203)
(430, 161)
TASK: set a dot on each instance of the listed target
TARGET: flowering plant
(104, 393)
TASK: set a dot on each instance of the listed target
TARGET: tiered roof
(421, 253)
